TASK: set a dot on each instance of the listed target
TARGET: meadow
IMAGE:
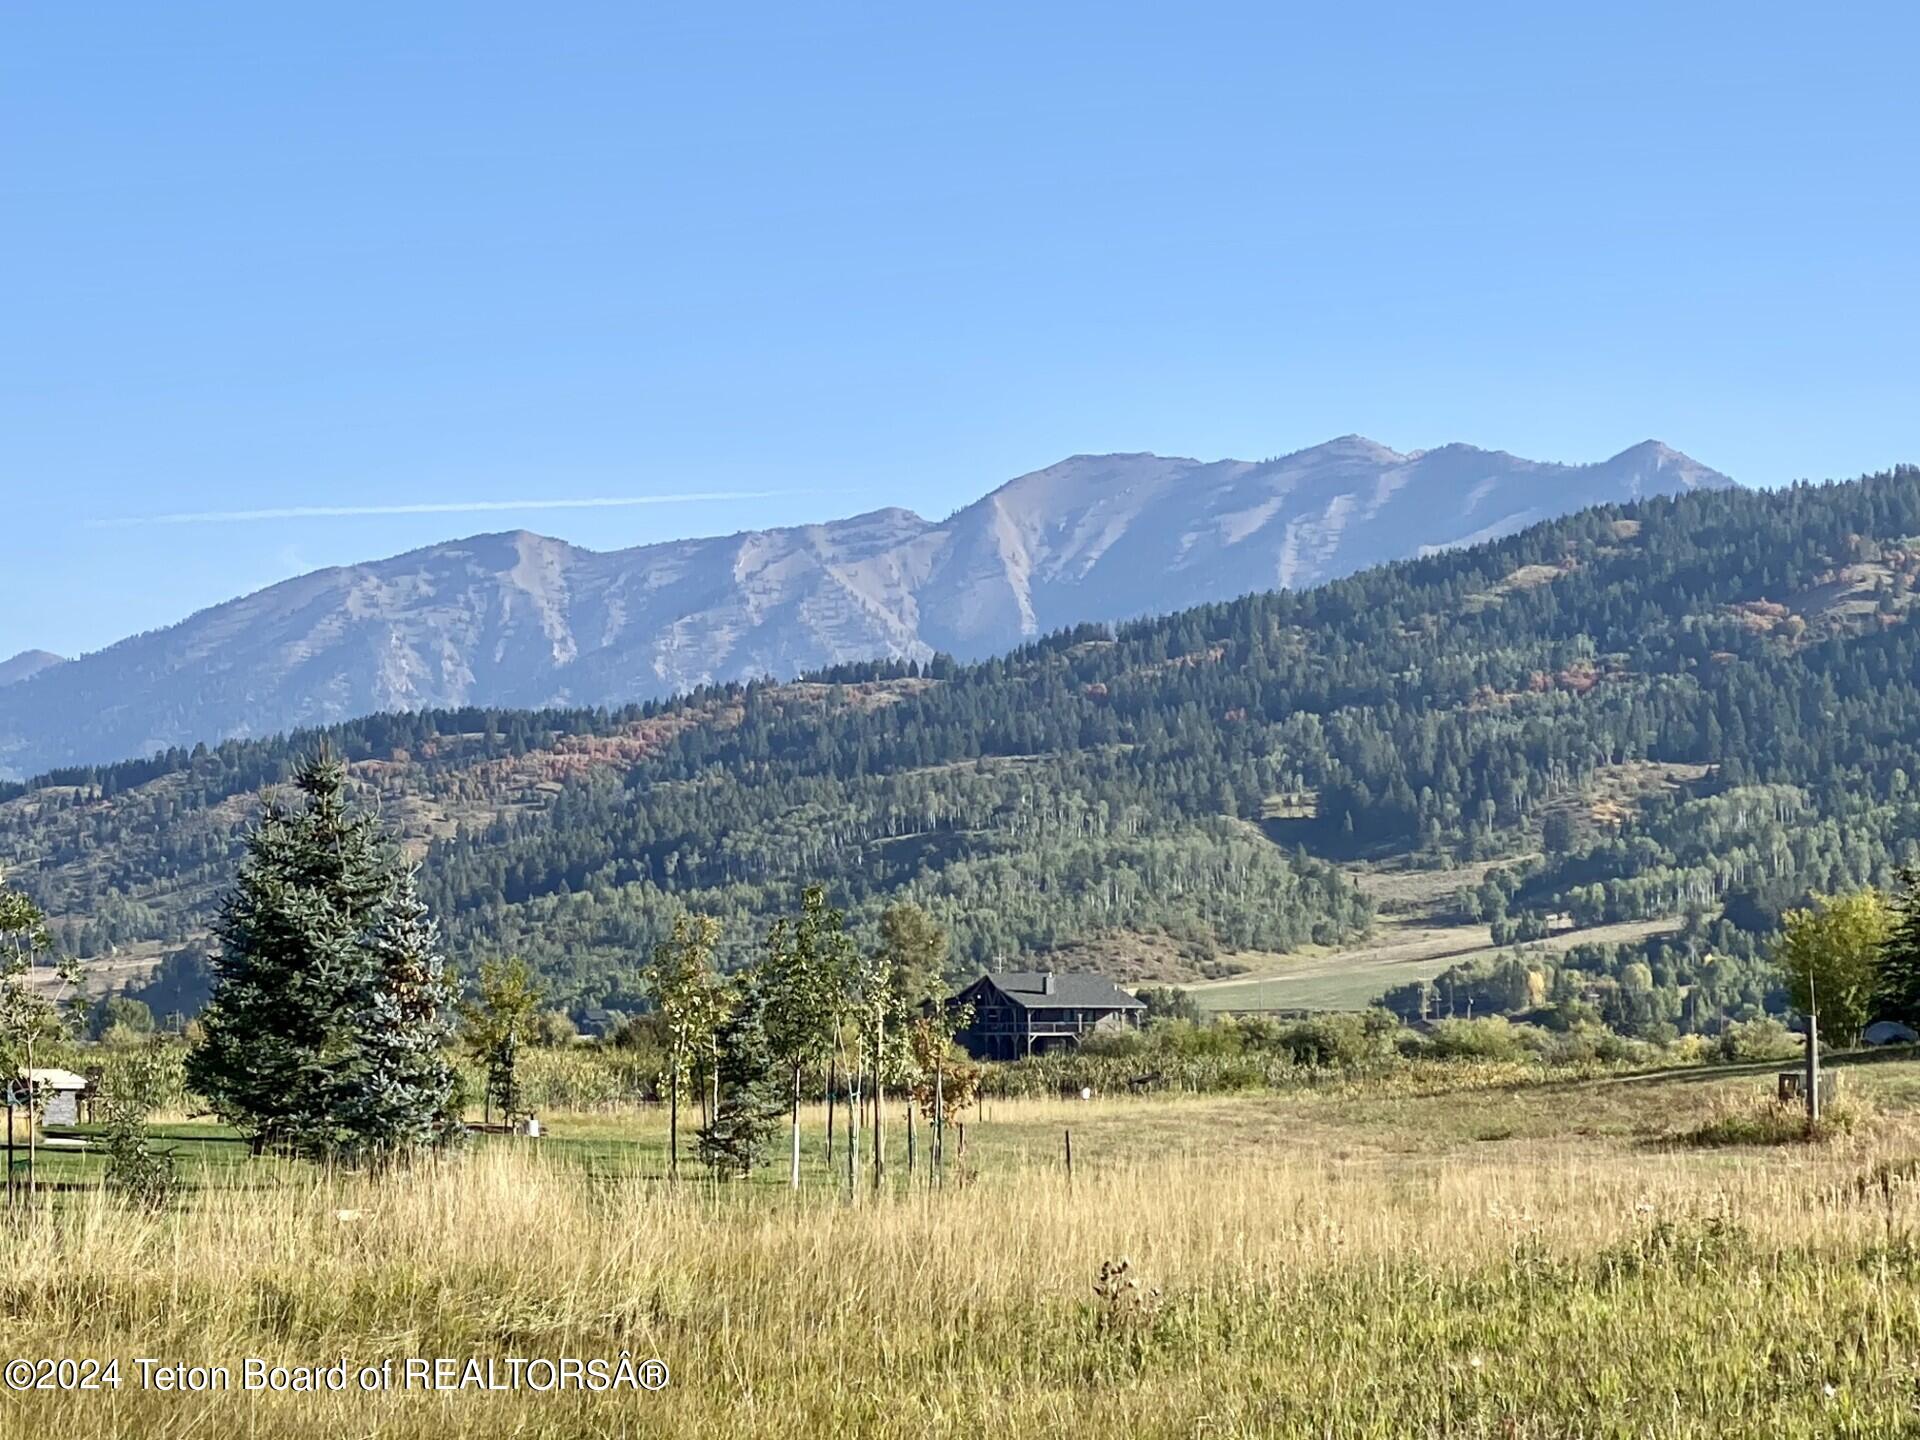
(1538, 1258)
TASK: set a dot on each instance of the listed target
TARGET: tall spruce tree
(752, 1087)
(400, 1095)
(301, 974)
(1897, 989)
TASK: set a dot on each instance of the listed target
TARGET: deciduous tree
(1830, 955)
(30, 1015)
(903, 978)
(802, 984)
(693, 1002)
(495, 1025)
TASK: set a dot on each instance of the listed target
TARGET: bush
(1492, 1038)
(1593, 1045)
(1338, 1041)
(1115, 1044)
(1762, 1039)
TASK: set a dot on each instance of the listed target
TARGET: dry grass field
(1399, 950)
(1537, 1260)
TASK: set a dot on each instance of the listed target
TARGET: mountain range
(520, 619)
(1676, 718)
(27, 664)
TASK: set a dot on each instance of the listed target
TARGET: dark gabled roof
(1072, 992)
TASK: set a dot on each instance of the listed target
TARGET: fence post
(1813, 1069)
(1069, 1135)
(854, 1102)
(939, 1123)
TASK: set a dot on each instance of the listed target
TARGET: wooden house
(1016, 1013)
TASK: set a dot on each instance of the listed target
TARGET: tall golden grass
(1530, 1288)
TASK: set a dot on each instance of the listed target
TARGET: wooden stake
(853, 1134)
(673, 1121)
(832, 1075)
(939, 1123)
(879, 1100)
(794, 1173)
(1069, 1157)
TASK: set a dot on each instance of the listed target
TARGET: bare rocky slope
(518, 619)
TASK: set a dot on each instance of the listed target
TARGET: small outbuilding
(58, 1092)
(1017, 1013)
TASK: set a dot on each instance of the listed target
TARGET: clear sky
(816, 259)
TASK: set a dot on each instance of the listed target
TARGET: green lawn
(623, 1145)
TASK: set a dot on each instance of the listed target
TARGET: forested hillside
(1166, 794)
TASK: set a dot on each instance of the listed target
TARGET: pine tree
(400, 1094)
(753, 1093)
(297, 972)
(1897, 992)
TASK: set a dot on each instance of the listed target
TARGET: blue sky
(820, 259)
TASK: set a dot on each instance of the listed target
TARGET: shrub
(1338, 1041)
(1493, 1038)
(1761, 1039)
(1593, 1045)
(1115, 1044)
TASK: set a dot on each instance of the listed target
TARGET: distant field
(1400, 952)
